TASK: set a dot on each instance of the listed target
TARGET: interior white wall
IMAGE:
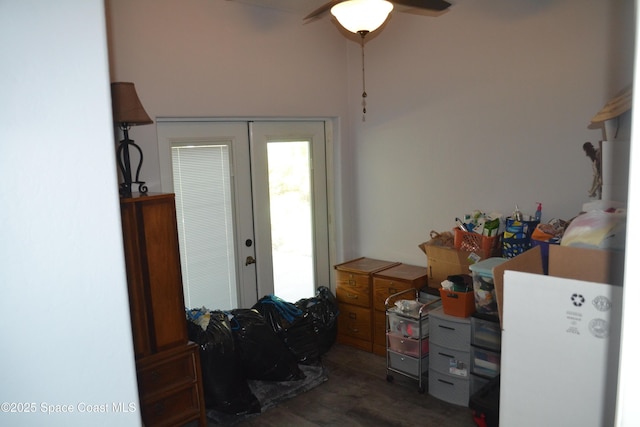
(218, 58)
(66, 333)
(484, 107)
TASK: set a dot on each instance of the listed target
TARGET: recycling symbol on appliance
(577, 300)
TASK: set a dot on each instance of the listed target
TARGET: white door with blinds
(251, 202)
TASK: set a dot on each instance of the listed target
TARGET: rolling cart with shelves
(408, 334)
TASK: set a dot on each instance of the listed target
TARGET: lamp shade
(127, 107)
(362, 15)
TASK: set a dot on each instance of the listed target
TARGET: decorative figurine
(595, 154)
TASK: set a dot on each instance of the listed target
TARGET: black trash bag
(278, 313)
(293, 326)
(302, 340)
(224, 383)
(323, 309)
(262, 354)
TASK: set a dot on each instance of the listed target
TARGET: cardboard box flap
(590, 265)
(529, 261)
(566, 262)
(448, 255)
(443, 261)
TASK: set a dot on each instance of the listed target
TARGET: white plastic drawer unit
(448, 388)
(485, 333)
(449, 331)
(450, 361)
(408, 327)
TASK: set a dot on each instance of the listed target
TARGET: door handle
(250, 260)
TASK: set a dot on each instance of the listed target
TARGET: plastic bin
(486, 333)
(485, 362)
(408, 327)
(408, 346)
(459, 304)
(517, 237)
(483, 246)
(483, 287)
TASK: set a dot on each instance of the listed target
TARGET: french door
(251, 201)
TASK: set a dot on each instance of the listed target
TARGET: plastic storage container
(408, 327)
(459, 304)
(485, 333)
(483, 246)
(407, 346)
(485, 362)
(483, 287)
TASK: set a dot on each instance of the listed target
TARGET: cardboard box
(560, 337)
(443, 262)
(592, 265)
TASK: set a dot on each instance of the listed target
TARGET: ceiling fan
(363, 16)
(434, 5)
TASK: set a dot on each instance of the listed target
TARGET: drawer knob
(352, 282)
(352, 296)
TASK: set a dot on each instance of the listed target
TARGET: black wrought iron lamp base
(124, 163)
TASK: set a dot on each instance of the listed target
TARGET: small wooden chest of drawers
(171, 393)
(354, 288)
(388, 282)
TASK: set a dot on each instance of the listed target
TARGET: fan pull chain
(364, 91)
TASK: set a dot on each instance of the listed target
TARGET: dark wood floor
(357, 394)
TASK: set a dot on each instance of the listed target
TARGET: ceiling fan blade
(438, 5)
(322, 10)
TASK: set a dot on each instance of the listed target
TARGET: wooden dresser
(388, 282)
(354, 288)
(168, 366)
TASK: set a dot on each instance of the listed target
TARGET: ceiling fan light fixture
(360, 16)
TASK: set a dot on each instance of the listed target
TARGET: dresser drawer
(353, 288)
(397, 279)
(384, 288)
(448, 361)
(448, 331)
(170, 388)
(354, 321)
(172, 409)
(166, 370)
